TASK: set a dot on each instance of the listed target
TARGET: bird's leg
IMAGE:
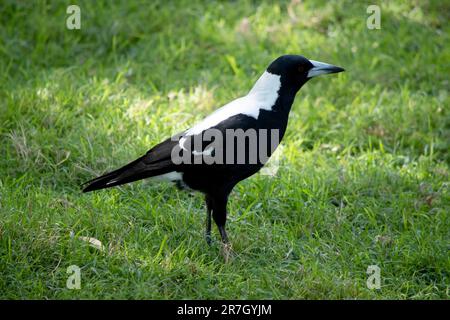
(208, 220)
(223, 234)
(219, 213)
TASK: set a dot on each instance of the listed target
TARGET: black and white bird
(265, 108)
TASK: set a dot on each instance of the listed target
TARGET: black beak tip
(338, 69)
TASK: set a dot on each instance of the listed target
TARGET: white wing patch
(170, 176)
(207, 152)
(262, 96)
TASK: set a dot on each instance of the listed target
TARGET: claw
(227, 252)
(208, 239)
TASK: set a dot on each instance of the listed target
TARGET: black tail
(133, 171)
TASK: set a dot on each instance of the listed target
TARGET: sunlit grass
(364, 172)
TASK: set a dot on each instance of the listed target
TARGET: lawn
(363, 177)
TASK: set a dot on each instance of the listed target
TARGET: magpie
(264, 111)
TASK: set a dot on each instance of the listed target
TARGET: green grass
(76, 103)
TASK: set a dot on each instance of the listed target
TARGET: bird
(207, 158)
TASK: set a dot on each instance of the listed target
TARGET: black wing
(155, 162)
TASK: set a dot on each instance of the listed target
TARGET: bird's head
(296, 70)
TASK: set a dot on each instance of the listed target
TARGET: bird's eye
(301, 69)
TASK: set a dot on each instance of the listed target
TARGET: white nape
(262, 96)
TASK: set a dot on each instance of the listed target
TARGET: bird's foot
(227, 252)
(208, 239)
